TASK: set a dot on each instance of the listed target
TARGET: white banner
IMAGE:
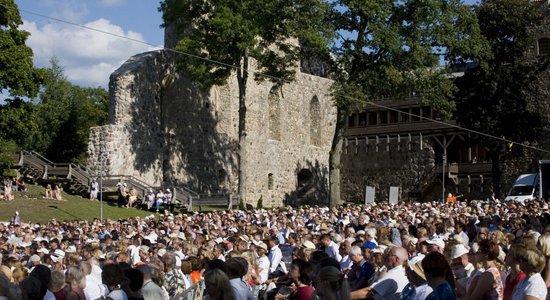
(369, 194)
(394, 194)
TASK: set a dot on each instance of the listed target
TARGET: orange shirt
(195, 276)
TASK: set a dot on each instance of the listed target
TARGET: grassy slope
(33, 208)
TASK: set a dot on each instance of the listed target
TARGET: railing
(44, 168)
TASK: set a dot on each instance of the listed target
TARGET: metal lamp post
(101, 159)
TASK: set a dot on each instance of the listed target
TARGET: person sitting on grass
(57, 193)
(48, 193)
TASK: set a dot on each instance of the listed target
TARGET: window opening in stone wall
(270, 181)
(305, 178)
(222, 178)
(274, 114)
(315, 122)
(544, 46)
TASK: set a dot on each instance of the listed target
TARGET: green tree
(498, 95)
(394, 48)
(235, 31)
(17, 74)
(68, 111)
(18, 120)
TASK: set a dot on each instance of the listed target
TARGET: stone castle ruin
(166, 132)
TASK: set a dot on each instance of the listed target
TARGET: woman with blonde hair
(263, 261)
(48, 193)
(532, 287)
(543, 245)
(488, 284)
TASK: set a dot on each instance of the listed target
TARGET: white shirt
(134, 254)
(465, 238)
(263, 264)
(92, 289)
(390, 286)
(346, 263)
(333, 251)
(275, 257)
(533, 286)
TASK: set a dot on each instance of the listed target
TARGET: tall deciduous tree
(17, 74)
(393, 48)
(235, 31)
(502, 94)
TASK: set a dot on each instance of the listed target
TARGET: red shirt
(510, 284)
(302, 293)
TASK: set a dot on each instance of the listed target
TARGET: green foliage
(57, 123)
(497, 96)
(7, 149)
(17, 74)
(260, 203)
(230, 31)
(9, 173)
(242, 206)
(392, 49)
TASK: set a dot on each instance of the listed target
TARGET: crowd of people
(459, 250)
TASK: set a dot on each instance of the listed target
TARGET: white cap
(458, 250)
(161, 252)
(436, 241)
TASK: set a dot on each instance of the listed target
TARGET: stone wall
(164, 129)
(408, 165)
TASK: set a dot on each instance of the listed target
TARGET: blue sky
(89, 57)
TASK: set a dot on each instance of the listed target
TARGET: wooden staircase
(77, 179)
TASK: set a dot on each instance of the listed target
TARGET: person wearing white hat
(263, 261)
(435, 245)
(460, 264)
(150, 199)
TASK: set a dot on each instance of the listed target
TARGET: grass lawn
(33, 208)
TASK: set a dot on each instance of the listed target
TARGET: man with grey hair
(149, 290)
(361, 270)
(173, 280)
(390, 285)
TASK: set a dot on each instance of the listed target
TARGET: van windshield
(521, 190)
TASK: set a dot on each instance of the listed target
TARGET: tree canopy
(17, 74)
(391, 49)
(57, 122)
(504, 93)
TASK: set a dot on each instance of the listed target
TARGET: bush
(241, 205)
(9, 173)
(260, 203)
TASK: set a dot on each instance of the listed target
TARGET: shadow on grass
(68, 213)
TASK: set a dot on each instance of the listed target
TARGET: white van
(525, 188)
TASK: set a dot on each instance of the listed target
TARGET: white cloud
(87, 56)
(112, 2)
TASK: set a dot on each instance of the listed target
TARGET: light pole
(100, 159)
(443, 176)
